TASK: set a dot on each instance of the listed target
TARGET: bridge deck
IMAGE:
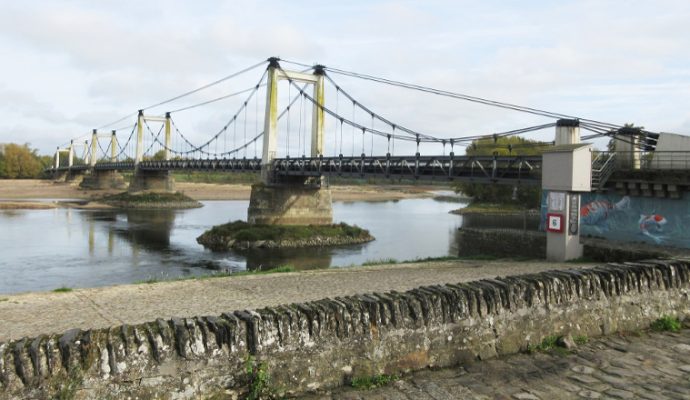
(504, 169)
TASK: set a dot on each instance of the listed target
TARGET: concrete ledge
(325, 343)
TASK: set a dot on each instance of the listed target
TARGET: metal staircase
(603, 166)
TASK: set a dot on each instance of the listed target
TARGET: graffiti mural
(650, 220)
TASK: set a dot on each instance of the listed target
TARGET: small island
(149, 200)
(242, 235)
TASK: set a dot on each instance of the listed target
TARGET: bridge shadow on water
(518, 220)
(299, 259)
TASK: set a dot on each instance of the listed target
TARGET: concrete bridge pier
(75, 177)
(293, 200)
(152, 181)
(100, 180)
(292, 203)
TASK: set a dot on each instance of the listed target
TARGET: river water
(47, 249)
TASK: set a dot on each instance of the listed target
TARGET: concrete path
(32, 314)
(651, 366)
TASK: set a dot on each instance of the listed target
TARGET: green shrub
(666, 324)
(243, 231)
(371, 382)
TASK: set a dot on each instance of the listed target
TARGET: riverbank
(56, 312)
(45, 189)
(474, 208)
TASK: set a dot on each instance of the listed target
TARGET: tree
(494, 193)
(20, 161)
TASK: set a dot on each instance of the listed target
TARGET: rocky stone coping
(154, 206)
(324, 343)
(239, 235)
(224, 243)
(150, 200)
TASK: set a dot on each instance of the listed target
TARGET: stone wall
(325, 343)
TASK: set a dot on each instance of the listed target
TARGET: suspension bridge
(306, 141)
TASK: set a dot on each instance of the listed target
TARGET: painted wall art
(658, 221)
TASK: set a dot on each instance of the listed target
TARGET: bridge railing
(499, 169)
(503, 169)
(652, 160)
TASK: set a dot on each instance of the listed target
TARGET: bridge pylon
(294, 200)
(102, 179)
(144, 180)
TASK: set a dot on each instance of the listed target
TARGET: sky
(71, 66)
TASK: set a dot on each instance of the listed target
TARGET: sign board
(573, 213)
(556, 201)
(554, 222)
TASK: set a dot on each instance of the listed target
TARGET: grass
(217, 177)
(431, 259)
(371, 382)
(580, 339)
(549, 344)
(62, 290)
(243, 231)
(490, 208)
(380, 261)
(259, 380)
(666, 324)
(3, 299)
(277, 270)
(147, 198)
(481, 257)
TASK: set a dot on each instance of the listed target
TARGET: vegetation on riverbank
(148, 200)
(217, 177)
(487, 208)
(506, 198)
(22, 162)
(242, 235)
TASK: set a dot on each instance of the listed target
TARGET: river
(63, 247)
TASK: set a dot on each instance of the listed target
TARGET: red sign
(554, 222)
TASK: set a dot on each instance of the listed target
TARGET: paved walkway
(650, 366)
(32, 314)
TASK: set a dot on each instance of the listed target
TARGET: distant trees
(503, 146)
(20, 161)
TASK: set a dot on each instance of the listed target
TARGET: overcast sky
(70, 66)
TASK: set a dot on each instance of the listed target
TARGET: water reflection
(525, 221)
(301, 259)
(46, 249)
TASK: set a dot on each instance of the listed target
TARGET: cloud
(73, 65)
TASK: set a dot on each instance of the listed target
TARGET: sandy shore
(32, 314)
(13, 189)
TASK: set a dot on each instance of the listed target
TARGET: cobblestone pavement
(649, 366)
(32, 314)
